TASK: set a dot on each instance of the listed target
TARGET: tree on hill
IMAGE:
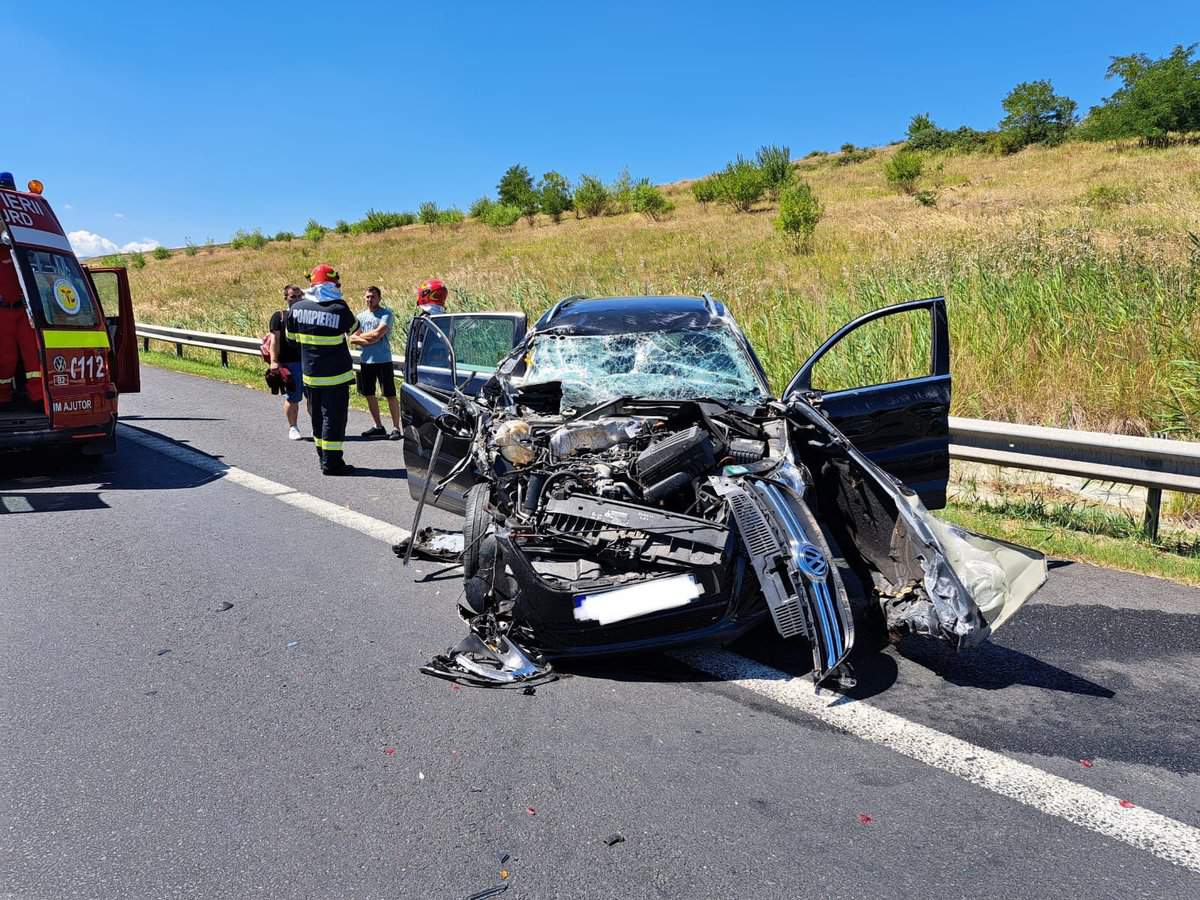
(1036, 115)
(515, 187)
(1156, 97)
(554, 194)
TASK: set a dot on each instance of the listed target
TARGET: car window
(62, 289)
(479, 343)
(889, 349)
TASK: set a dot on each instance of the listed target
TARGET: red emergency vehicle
(68, 347)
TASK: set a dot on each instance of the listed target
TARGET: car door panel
(903, 426)
(429, 386)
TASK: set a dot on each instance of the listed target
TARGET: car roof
(618, 315)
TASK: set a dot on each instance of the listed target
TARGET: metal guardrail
(224, 343)
(1153, 463)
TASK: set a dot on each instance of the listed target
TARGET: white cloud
(67, 206)
(118, 215)
(87, 243)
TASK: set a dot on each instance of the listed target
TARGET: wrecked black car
(629, 482)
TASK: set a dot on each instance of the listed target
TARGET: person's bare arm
(274, 349)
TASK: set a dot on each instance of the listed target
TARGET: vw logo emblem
(60, 364)
(812, 562)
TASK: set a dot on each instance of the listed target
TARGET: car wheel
(476, 521)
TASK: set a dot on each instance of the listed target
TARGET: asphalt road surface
(156, 744)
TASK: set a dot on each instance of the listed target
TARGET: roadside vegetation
(1068, 249)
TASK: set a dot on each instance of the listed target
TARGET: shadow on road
(170, 419)
(34, 482)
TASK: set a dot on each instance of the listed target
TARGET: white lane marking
(340, 515)
(16, 504)
(1166, 838)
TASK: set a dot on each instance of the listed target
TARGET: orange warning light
(35, 186)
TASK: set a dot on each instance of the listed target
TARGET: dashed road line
(340, 515)
(1164, 837)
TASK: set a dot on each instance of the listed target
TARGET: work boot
(395, 435)
(377, 431)
(343, 469)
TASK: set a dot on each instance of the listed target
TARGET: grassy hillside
(1073, 283)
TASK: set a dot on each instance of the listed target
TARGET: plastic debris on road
(615, 838)
(225, 606)
(864, 819)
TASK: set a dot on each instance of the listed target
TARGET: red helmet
(431, 291)
(323, 273)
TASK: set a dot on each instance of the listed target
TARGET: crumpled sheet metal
(496, 662)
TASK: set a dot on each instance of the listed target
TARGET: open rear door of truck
(112, 287)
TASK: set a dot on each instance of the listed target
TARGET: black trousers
(328, 407)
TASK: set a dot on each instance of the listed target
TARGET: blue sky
(160, 122)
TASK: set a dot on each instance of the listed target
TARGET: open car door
(884, 381)
(477, 342)
(112, 287)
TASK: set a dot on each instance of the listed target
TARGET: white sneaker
(294, 434)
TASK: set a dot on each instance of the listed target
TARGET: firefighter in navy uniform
(319, 323)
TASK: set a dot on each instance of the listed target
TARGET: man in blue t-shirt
(375, 323)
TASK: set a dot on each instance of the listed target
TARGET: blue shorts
(297, 391)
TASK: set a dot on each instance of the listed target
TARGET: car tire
(476, 521)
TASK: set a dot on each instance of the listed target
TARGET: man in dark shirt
(285, 354)
(319, 323)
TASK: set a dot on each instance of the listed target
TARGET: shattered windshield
(660, 365)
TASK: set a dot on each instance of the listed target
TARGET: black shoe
(377, 431)
(395, 435)
(346, 469)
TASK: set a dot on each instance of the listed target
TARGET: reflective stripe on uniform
(316, 340)
(323, 444)
(6, 380)
(328, 380)
(33, 375)
(74, 340)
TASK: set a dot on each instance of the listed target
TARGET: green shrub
(427, 213)
(137, 260)
(923, 134)
(926, 198)
(341, 226)
(851, 154)
(248, 240)
(1156, 97)
(1110, 196)
(740, 185)
(799, 213)
(814, 153)
(453, 216)
(1036, 115)
(705, 190)
(115, 259)
(648, 200)
(502, 215)
(162, 253)
(591, 196)
(188, 247)
(314, 231)
(620, 195)
(776, 166)
(480, 207)
(284, 236)
(903, 170)
(554, 195)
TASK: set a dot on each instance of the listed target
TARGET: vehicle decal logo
(812, 562)
(60, 364)
(66, 297)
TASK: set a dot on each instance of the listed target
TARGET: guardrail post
(146, 344)
(179, 349)
(1153, 506)
(225, 358)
